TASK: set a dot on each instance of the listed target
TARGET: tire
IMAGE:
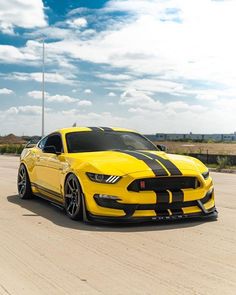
(73, 198)
(23, 183)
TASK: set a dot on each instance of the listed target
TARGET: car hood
(127, 162)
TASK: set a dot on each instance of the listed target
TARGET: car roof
(95, 128)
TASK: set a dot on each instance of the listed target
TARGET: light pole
(43, 86)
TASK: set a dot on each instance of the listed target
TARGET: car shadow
(45, 209)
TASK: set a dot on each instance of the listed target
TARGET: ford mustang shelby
(114, 174)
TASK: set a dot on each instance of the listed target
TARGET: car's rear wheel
(23, 183)
(73, 198)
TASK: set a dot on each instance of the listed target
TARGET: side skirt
(52, 200)
(48, 195)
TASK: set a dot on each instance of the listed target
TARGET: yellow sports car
(114, 174)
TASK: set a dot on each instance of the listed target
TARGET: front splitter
(212, 213)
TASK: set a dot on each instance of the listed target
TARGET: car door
(39, 163)
(49, 167)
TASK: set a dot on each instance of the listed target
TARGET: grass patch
(223, 162)
(15, 149)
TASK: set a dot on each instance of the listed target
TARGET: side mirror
(162, 147)
(50, 149)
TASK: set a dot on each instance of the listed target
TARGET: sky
(148, 65)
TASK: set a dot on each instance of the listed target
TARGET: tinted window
(54, 140)
(112, 140)
(42, 143)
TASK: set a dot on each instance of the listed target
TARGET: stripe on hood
(156, 167)
(166, 163)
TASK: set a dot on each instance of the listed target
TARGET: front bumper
(159, 208)
(212, 213)
(201, 208)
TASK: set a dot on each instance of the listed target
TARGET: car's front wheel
(73, 198)
(23, 183)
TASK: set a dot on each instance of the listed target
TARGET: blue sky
(150, 65)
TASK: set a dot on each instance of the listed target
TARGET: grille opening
(164, 183)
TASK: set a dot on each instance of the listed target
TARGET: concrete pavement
(44, 252)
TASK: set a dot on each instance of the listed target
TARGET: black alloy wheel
(23, 183)
(73, 198)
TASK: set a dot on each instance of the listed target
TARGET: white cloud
(157, 85)
(36, 94)
(213, 94)
(59, 98)
(6, 28)
(30, 110)
(79, 22)
(37, 76)
(208, 97)
(166, 40)
(163, 47)
(31, 53)
(140, 102)
(50, 32)
(226, 105)
(132, 97)
(6, 91)
(111, 94)
(88, 91)
(114, 77)
(71, 112)
(145, 121)
(150, 121)
(52, 98)
(84, 103)
(135, 6)
(21, 13)
(11, 54)
(183, 106)
(11, 111)
(175, 49)
(92, 118)
(25, 110)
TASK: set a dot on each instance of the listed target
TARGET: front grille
(164, 183)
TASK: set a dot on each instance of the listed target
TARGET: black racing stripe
(167, 163)
(107, 128)
(162, 197)
(162, 212)
(177, 196)
(177, 211)
(95, 128)
(157, 169)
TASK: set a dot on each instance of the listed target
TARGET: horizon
(151, 134)
(155, 67)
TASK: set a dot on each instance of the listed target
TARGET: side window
(41, 144)
(54, 140)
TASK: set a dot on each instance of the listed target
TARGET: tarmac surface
(44, 252)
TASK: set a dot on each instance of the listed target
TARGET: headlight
(205, 174)
(103, 178)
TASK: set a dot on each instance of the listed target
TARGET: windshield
(91, 141)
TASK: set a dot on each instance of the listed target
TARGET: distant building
(191, 136)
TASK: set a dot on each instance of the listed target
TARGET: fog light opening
(106, 197)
